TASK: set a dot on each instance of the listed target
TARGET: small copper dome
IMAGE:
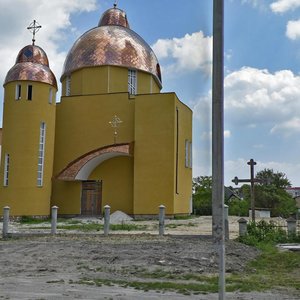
(34, 54)
(114, 16)
(31, 64)
(112, 43)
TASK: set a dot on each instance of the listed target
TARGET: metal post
(242, 227)
(54, 219)
(226, 207)
(5, 221)
(162, 209)
(291, 225)
(218, 223)
(106, 219)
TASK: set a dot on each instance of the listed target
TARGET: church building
(113, 139)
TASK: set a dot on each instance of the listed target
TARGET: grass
(272, 270)
(78, 225)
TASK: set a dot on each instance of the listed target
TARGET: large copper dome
(31, 64)
(112, 43)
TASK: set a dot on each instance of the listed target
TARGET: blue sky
(262, 64)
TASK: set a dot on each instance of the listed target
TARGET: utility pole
(218, 222)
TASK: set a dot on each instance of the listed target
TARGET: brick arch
(81, 168)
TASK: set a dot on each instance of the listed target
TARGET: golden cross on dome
(114, 124)
(34, 27)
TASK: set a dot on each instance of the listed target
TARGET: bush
(263, 232)
(202, 205)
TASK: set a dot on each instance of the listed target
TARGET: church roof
(112, 43)
(31, 64)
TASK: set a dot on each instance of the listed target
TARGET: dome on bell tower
(31, 64)
(112, 43)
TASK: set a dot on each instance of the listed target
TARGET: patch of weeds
(31, 220)
(56, 281)
(127, 227)
(183, 288)
(184, 217)
(81, 227)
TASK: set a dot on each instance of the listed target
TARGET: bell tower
(28, 132)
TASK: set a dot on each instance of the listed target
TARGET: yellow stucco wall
(154, 153)
(21, 133)
(82, 126)
(108, 79)
(184, 191)
(117, 183)
(139, 184)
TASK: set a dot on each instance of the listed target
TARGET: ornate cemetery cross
(252, 180)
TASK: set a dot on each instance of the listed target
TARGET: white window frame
(50, 99)
(68, 86)
(187, 143)
(132, 82)
(191, 155)
(41, 155)
(6, 169)
(18, 91)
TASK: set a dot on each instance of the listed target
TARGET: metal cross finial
(114, 124)
(115, 4)
(34, 27)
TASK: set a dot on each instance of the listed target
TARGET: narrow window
(18, 91)
(132, 82)
(29, 92)
(41, 154)
(68, 86)
(191, 155)
(50, 95)
(6, 169)
(187, 153)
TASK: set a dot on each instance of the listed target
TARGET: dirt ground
(66, 266)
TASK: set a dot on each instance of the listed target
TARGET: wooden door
(91, 198)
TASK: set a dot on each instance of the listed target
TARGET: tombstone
(242, 227)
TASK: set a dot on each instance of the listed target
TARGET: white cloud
(288, 127)
(189, 53)
(293, 29)
(54, 16)
(282, 6)
(257, 96)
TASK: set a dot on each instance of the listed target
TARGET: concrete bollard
(106, 219)
(291, 226)
(226, 207)
(54, 219)
(242, 227)
(161, 225)
(5, 221)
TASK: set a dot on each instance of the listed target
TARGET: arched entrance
(81, 169)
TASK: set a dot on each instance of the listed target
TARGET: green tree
(202, 187)
(270, 193)
(278, 179)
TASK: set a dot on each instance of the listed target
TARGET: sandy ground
(65, 266)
